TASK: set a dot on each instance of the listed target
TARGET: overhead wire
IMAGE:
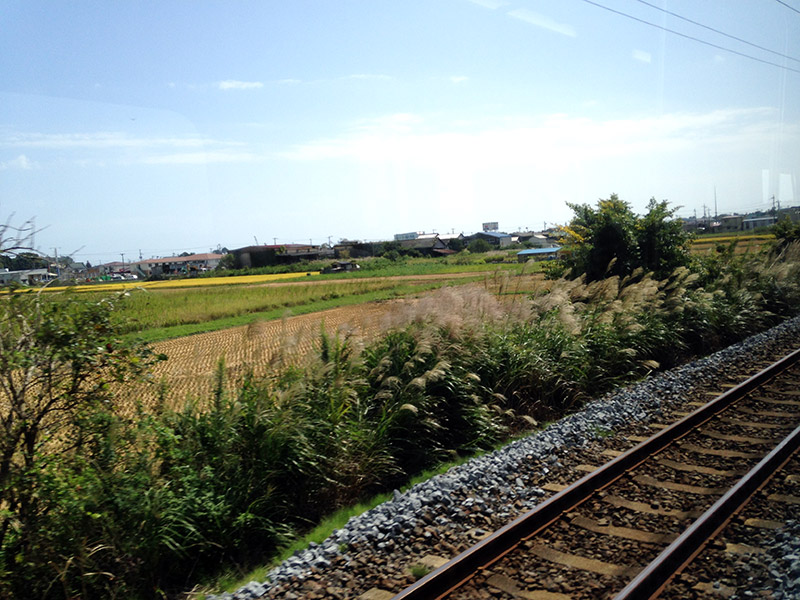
(691, 37)
(727, 35)
(788, 6)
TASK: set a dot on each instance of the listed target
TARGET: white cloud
(22, 163)
(375, 76)
(459, 79)
(642, 56)
(493, 4)
(549, 143)
(98, 140)
(232, 84)
(542, 21)
(201, 158)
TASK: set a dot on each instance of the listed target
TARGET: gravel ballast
(449, 512)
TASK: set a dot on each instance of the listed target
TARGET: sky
(153, 128)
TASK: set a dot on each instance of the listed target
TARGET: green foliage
(786, 232)
(114, 503)
(478, 246)
(59, 438)
(611, 240)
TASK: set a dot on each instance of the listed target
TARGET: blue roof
(496, 234)
(539, 251)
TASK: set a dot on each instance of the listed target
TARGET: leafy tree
(662, 243)
(227, 262)
(57, 359)
(602, 240)
(612, 240)
(456, 244)
(786, 232)
(479, 245)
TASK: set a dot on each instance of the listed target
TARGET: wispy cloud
(21, 162)
(534, 18)
(551, 142)
(232, 84)
(374, 76)
(201, 158)
(642, 56)
(459, 79)
(98, 140)
(493, 4)
(102, 149)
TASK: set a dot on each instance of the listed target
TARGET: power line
(788, 6)
(690, 37)
(727, 35)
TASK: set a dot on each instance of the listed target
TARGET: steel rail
(463, 567)
(657, 575)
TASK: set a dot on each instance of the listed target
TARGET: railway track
(628, 526)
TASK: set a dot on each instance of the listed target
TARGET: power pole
(122, 254)
(715, 203)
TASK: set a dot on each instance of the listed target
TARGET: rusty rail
(657, 575)
(463, 567)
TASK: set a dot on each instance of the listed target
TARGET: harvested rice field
(192, 360)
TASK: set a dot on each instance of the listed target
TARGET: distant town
(34, 269)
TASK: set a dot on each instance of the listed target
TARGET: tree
(602, 241)
(227, 262)
(57, 359)
(456, 244)
(478, 246)
(785, 232)
(662, 243)
(612, 240)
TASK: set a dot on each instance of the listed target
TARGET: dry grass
(257, 348)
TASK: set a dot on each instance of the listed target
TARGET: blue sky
(164, 127)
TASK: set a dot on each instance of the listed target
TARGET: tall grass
(458, 371)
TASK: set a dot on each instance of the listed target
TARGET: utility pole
(715, 203)
(122, 254)
(55, 252)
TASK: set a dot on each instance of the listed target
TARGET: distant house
(26, 276)
(750, 224)
(731, 222)
(175, 265)
(353, 249)
(538, 254)
(278, 254)
(429, 245)
(449, 238)
(498, 239)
